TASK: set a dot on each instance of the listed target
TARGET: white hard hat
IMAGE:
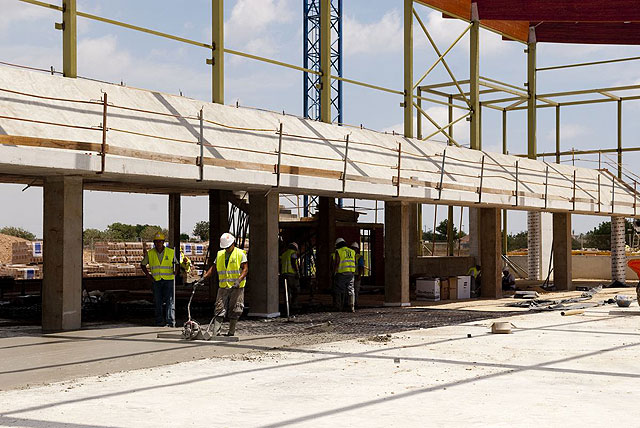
(338, 241)
(355, 245)
(226, 240)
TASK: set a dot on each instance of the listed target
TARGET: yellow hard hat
(159, 237)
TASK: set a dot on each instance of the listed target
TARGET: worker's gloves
(236, 284)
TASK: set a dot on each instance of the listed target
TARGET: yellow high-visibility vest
(185, 262)
(161, 269)
(286, 267)
(227, 275)
(347, 260)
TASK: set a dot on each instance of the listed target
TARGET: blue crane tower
(311, 60)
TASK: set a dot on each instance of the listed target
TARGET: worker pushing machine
(164, 268)
(344, 268)
(232, 268)
(290, 271)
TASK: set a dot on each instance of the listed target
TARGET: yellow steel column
(474, 87)
(325, 61)
(69, 39)
(531, 104)
(217, 39)
(619, 117)
(408, 68)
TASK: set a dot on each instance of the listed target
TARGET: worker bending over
(290, 271)
(508, 280)
(344, 268)
(232, 268)
(164, 268)
(357, 280)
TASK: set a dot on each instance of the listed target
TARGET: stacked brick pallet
(27, 252)
(21, 271)
(195, 252)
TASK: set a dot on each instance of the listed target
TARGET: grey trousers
(230, 301)
(344, 291)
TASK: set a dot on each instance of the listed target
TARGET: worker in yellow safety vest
(185, 268)
(344, 268)
(232, 268)
(290, 272)
(163, 268)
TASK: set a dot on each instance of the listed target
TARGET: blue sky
(273, 28)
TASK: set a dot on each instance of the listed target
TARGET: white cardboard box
(428, 289)
(464, 287)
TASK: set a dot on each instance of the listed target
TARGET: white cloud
(14, 12)
(252, 21)
(384, 35)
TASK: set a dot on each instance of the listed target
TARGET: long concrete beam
(152, 140)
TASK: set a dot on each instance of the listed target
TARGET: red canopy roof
(554, 21)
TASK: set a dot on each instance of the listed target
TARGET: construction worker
(508, 280)
(164, 268)
(359, 271)
(232, 268)
(475, 273)
(185, 268)
(290, 271)
(344, 268)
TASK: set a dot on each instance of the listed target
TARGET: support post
(562, 251)
(325, 60)
(408, 68)
(474, 91)
(450, 236)
(174, 221)
(262, 282)
(505, 235)
(534, 238)
(62, 254)
(69, 39)
(619, 139)
(491, 260)
(558, 134)
(326, 236)
(396, 251)
(217, 41)
(618, 253)
(474, 124)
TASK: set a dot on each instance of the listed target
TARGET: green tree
(92, 235)
(201, 230)
(184, 237)
(600, 236)
(517, 241)
(148, 232)
(18, 232)
(121, 232)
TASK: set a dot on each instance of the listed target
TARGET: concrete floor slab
(552, 371)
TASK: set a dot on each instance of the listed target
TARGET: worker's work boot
(232, 327)
(217, 325)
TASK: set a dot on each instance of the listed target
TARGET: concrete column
(174, 220)
(413, 236)
(325, 241)
(533, 244)
(491, 258)
(618, 254)
(62, 251)
(218, 218)
(262, 283)
(562, 251)
(396, 254)
(474, 234)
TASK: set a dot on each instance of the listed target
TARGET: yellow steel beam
(366, 85)
(408, 68)
(69, 39)
(43, 4)
(582, 64)
(438, 127)
(217, 51)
